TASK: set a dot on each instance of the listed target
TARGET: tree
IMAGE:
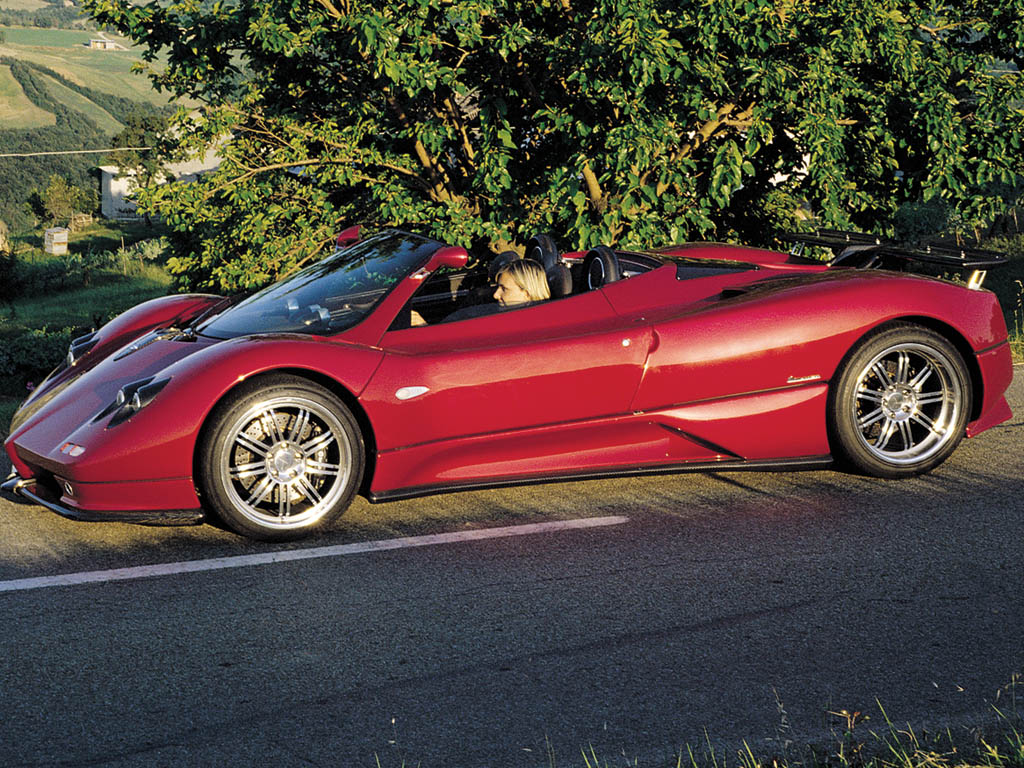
(144, 127)
(638, 122)
(59, 200)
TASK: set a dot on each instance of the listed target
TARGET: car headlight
(79, 347)
(132, 398)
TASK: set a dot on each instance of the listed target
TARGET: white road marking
(243, 561)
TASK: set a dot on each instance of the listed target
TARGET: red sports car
(365, 374)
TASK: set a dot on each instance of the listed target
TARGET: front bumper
(31, 489)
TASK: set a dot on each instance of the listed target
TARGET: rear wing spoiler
(865, 251)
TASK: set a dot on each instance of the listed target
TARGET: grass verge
(853, 744)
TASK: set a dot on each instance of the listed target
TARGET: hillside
(66, 52)
(57, 94)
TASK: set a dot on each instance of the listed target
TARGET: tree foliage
(144, 128)
(60, 200)
(629, 121)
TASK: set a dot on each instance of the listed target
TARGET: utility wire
(76, 152)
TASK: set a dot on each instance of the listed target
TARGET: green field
(15, 108)
(103, 119)
(23, 5)
(65, 52)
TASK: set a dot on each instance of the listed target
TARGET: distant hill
(57, 94)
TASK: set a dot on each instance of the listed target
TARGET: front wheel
(901, 402)
(280, 458)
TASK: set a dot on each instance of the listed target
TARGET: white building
(117, 186)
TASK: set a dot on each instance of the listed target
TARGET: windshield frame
(329, 297)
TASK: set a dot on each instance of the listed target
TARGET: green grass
(23, 5)
(102, 235)
(858, 740)
(15, 108)
(112, 288)
(111, 293)
(53, 38)
(73, 99)
(64, 51)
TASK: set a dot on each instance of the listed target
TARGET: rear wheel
(280, 458)
(901, 402)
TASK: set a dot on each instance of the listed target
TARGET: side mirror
(454, 256)
(347, 236)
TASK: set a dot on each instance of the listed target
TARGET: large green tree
(629, 121)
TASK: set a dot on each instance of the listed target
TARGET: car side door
(503, 392)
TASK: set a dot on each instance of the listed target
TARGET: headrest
(542, 249)
(559, 281)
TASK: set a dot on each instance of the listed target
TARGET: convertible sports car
(273, 411)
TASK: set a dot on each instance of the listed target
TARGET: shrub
(8, 276)
(27, 356)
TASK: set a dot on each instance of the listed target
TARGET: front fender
(159, 441)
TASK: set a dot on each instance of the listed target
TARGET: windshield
(329, 296)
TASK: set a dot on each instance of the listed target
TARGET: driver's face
(509, 292)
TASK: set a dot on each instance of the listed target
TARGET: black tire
(280, 458)
(900, 402)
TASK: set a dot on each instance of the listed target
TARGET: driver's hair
(528, 275)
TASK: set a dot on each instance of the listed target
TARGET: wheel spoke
(321, 468)
(284, 504)
(306, 489)
(253, 469)
(318, 443)
(270, 426)
(902, 367)
(253, 446)
(886, 434)
(907, 435)
(299, 425)
(923, 375)
(866, 421)
(931, 397)
(260, 491)
(881, 373)
(871, 395)
(927, 423)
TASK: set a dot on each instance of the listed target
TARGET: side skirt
(772, 465)
(35, 492)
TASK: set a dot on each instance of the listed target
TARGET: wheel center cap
(285, 462)
(899, 403)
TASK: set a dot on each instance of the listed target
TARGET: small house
(103, 44)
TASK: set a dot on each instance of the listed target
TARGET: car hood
(77, 396)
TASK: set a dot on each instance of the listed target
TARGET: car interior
(447, 290)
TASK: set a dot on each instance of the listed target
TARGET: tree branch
(723, 117)
(594, 192)
(332, 11)
(438, 176)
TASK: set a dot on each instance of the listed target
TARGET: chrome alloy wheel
(907, 404)
(286, 462)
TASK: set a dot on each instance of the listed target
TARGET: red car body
(663, 370)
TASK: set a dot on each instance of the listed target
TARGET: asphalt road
(728, 607)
